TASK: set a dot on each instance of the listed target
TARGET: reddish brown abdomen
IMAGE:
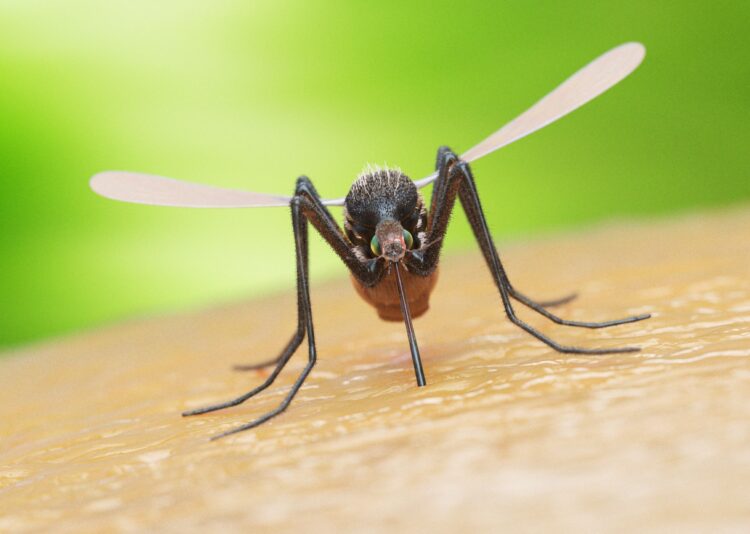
(384, 295)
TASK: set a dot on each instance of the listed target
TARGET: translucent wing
(160, 191)
(586, 84)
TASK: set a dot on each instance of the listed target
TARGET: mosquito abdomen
(383, 296)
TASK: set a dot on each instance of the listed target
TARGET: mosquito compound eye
(408, 239)
(375, 246)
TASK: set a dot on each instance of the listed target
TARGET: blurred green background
(253, 94)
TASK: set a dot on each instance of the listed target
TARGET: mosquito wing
(586, 84)
(160, 191)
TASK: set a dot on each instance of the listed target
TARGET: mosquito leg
(424, 261)
(470, 201)
(262, 365)
(557, 302)
(292, 346)
(317, 214)
(323, 221)
(526, 301)
(455, 179)
(555, 345)
(242, 398)
(308, 208)
(300, 229)
(440, 192)
(300, 236)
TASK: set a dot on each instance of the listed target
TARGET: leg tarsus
(273, 413)
(255, 366)
(242, 398)
(290, 348)
(558, 347)
(539, 308)
(558, 302)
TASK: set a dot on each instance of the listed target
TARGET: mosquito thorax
(379, 195)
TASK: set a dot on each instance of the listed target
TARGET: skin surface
(508, 432)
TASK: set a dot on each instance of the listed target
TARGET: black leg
(454, 178)
(317, 213)
(302, 261)
(557, 302)
(292, 346)
(300, 234)
(470, 201)
(242, 398)
(264, 364)
(443, 198)
(539, 308)
(368, 272)
(280, 362)
(306, 208)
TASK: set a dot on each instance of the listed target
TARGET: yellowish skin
(508, 434)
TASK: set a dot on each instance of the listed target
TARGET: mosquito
(391, 241)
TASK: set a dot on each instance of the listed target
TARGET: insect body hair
(381, 193)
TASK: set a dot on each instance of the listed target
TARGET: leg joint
(445, 156)
(304, 186)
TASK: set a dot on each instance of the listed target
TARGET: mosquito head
(384, 214)
(389, 240)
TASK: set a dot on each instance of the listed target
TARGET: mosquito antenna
(416, 358)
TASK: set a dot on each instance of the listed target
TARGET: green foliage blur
(253, 94)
